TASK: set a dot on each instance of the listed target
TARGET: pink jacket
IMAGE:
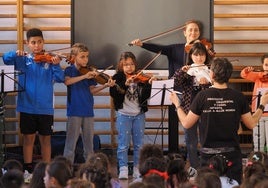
(261, 81)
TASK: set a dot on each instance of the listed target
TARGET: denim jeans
(191, 141)
(73, 130)
(127, 127)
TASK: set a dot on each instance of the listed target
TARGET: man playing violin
(35, 104)
(80, 101)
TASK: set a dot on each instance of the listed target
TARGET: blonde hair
(78, 47)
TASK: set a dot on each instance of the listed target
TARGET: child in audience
(38, 175)
(220, 164)
(57, 175)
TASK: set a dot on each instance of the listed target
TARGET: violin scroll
(204, 41)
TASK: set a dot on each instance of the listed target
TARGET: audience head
(79, 183)
(57, 174)
(220, 164)
(176, 172)
(253, 168)
(37, 179)
(150, 150)
(208, 180)
(12, 179)
(258, 156)
(12, 164)
(95, 172)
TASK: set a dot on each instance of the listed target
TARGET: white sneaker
(123, 173)
(136, 172)
(27, 176)
(192, 172)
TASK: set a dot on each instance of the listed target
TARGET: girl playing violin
(131, 106)
(193, 78)
(80, 101)
(176, 55)
(260, 132)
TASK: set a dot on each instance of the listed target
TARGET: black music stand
(159, 97)
(8, 84)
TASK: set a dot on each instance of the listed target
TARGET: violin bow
(106, 69)
(149, 63)
(161, 34)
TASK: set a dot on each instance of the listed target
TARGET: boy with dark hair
(35, 103)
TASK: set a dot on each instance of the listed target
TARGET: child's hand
(110, 83)
(21, 53)
(152, 79)
(249, 69)
(55, 60)
(185, 68)
(203, 80)
(90, 74)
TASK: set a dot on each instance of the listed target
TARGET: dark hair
(222, 69)
(253, 168)
(152, 163)
(34, 32)
(123, 57)
(96, 172)
(176, 168)
(65, 160)
(219, 163)
(12, 179)
(60, 171)
(260, 157)
(12, 164)
(198, 49)
(264, 57)
(38, 175)
(150, 150)
(208, 180)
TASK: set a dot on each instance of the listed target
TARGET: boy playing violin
(35, 104)
(80, 101)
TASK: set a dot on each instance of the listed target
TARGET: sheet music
(8, 71)
(261, 91)
(157, 90)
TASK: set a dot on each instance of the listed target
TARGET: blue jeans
(127, 127)
(191, 141)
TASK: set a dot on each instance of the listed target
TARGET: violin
(140, 77)
(101, 78)
(207, 44)
(47, 57)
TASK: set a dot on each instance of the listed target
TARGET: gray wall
(107, 26)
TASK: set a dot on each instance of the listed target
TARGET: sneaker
(136, 172)
(27, 176)
(192, 172)
(123, 173)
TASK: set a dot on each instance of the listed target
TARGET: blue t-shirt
(80, 100)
